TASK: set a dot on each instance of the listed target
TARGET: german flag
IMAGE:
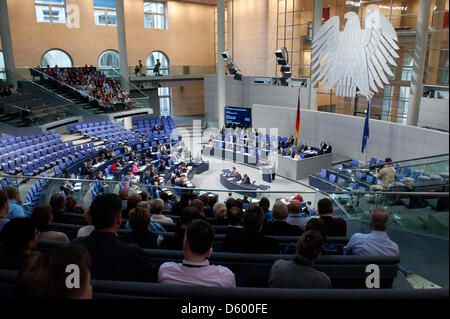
(297, 120)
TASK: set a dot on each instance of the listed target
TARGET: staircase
(81, 103)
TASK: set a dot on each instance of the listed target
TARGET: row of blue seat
(17, 139)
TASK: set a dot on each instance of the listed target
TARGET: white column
(420, 51)
(122, 40)
(5, 35)
(317, 22)
(220, 63)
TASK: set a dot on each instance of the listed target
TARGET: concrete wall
(245, 93)
(345, 133)
(191, 27)
(434, 113)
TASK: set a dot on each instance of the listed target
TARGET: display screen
(238, 115)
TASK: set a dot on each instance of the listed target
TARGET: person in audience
(42, 218)
(123, 194)
(132, 201)
(376, 243)
(207, 210)
(336, 226)
(299, 198)
(58, 203)
(165, 197)
(181, 204)
(85, 170)
(250, 240)
(72, 207)
(153, 226)
(220, 214)
(140, 234)
(264, 203)
(294, 217)
(198, 204)
(113, 259)
(16, 209)
(290, 141)
(43, 275)
(245, 199)
(231, 202)
(88, 229)
(279, 226)
(4, 207)
(157, 209)
(18, 239)
(176, 242)
(234, 217)
(195, 269)
(66, 187)
(298, 272)
(319, 225)
(144, 196)
(387, 176)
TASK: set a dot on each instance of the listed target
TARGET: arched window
(2, 67)
(56, 57)
(152, 59)
(108, 61)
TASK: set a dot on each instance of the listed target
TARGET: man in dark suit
(336, 226)
(279, 227)
(304, 147)
(245, 179)
(328, 149)
(250, 240)
(113, 259)
(290, 141)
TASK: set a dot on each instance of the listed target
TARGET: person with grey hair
(157, 207)
(220, 214)
(279, 226)
(376, 243)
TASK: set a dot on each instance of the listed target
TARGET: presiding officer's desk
(302, 168)
(234, 185)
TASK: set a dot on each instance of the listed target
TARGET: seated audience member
(88, 229)
(66, 188)
(15, 203)
(319, 225)
(279, 227)
(298, 197)
(245, 199)
(195, 269)
(387, 176)
(58, 202)
(42, 218)
(231, 202)
(198, 204)
(294, 217)
(4, 207)
(165, 197)
(264, 203)
(132, 201)
(44, 275)
(113, 259)
(176, 242)
(123, 194)
(140, 234)
(72, 207)
(207, 210)
(178, 207)
(336, 226)
(18, 239)
(220, 214)
(234, 217)
(250, 240)
(153, 227)
(298, 272)
(376, 243)
(156, 210)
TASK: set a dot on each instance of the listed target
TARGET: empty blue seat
(373, 160)
(332, 178)
(354, 163)
(359, 175)
(369, 179)
(323, 173)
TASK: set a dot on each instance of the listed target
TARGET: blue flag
(366, 129)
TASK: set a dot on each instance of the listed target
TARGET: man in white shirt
(156, 210)
(376, 243)
(195, 269)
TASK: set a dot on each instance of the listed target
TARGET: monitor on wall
(239, 116)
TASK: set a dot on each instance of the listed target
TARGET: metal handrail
(225, 190)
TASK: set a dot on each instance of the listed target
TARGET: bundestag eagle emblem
(355, 60)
